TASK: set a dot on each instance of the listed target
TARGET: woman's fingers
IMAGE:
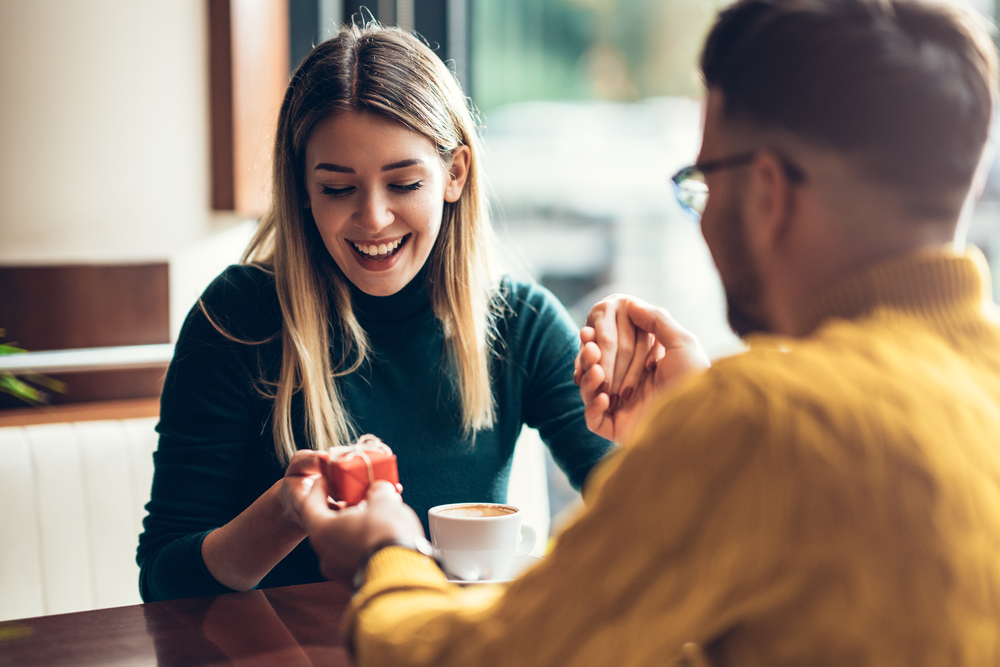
(595, 401)
(627, 337)
(305, 462)
(655, 354)
(315, 506)
(633, 374)
(603, 320)
(580, 365)
(590, 354)
(304, 475)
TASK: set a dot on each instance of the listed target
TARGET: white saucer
(519, 567)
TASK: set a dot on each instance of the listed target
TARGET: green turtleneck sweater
(216, 452)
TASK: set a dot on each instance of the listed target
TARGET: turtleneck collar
(406, 304)
(941, 285)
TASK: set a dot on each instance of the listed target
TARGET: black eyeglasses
(692, 189)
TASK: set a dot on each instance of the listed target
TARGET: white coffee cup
(479, 541)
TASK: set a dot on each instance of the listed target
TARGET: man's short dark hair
(907, 85)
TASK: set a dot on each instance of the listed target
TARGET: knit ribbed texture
(944, 287)
(827, 500)
(403, 566)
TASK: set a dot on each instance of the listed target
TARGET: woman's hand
(342, 538)
(304, 470)
(630, 351)
(240, 553)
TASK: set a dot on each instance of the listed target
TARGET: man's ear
(769, 205)
(458, 170)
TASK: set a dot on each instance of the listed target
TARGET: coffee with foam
(477, 510)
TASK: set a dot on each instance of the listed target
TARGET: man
(832, 495)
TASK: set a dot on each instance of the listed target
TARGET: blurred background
(136, 136)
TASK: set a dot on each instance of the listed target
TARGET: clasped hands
(343, 536)
(630, 351)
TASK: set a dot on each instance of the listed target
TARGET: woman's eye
(336, 192)
(407, 188)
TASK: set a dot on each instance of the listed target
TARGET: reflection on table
(294, 625)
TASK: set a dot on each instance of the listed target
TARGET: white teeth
(380, 249)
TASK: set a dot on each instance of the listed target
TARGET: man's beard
(741, 320)
(740, 278)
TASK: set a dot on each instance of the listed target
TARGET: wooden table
(294, 625)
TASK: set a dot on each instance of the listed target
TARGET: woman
(367, 302)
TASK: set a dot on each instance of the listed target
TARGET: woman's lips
(378, 256)
(378, 249)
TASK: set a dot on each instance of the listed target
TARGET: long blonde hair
(387, 72)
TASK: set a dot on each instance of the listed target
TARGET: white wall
(104, 147)
(197, 265)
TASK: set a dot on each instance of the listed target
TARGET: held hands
(630, 351)
(342, 537)
(241, 553)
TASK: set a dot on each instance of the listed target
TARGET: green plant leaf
(15, 387)
(47, 382)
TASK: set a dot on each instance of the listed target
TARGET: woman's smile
(378, 255)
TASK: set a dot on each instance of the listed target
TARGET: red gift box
(354, 468)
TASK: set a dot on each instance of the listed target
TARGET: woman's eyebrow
(401, 164)
(326, 166)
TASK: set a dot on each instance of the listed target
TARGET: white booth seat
(71, 509)
(72, 499)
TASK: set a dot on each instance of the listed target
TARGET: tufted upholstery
(71, 509)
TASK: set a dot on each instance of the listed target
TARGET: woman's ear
(458, 170)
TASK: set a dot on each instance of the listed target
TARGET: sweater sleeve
(208, 425)
(670, 550)
(544, 344)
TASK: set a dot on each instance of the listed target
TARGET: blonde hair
(389, 73)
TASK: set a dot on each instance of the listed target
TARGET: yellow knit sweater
(831, 499)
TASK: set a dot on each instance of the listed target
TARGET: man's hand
(342, 537)
(630, 351)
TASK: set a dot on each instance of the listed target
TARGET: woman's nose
(375, 213)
